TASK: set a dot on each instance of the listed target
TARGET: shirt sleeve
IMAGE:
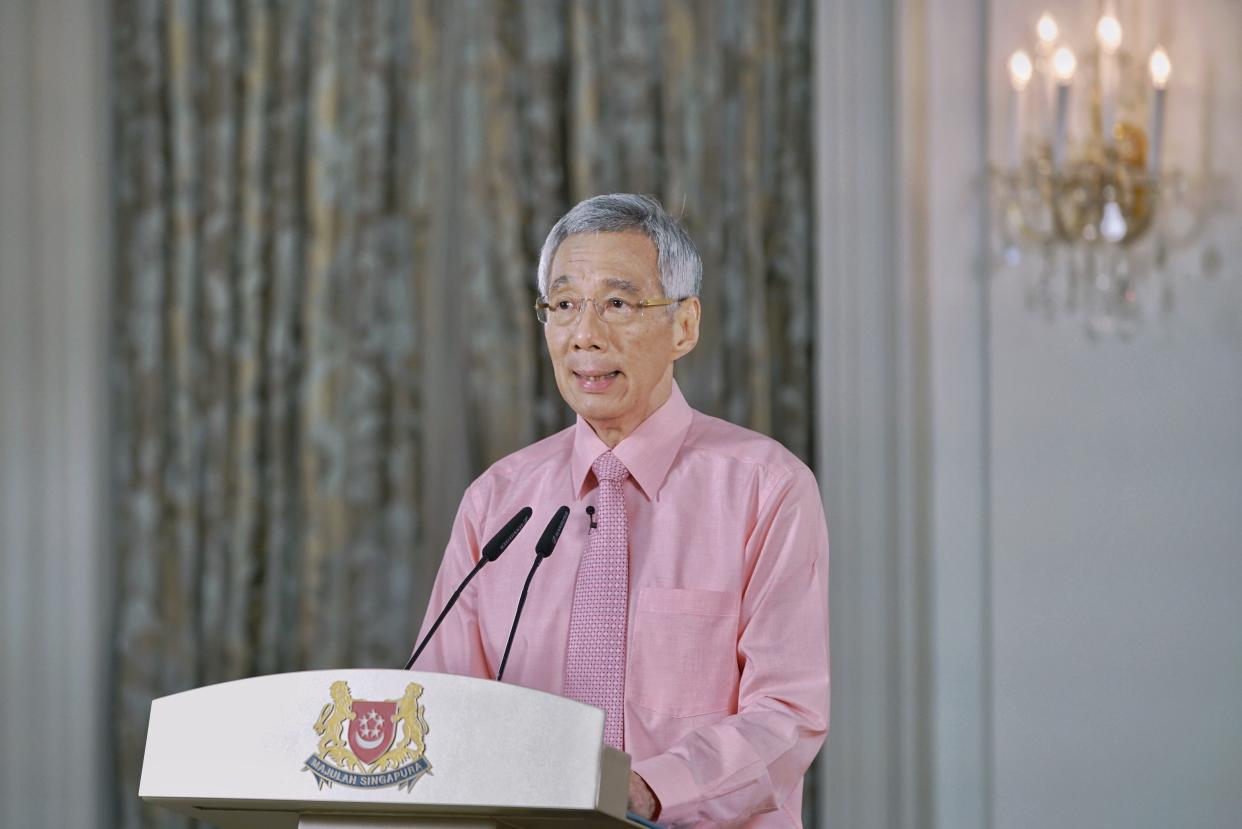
(750, 762)
(457, 647)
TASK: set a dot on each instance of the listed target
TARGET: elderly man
(688, 596)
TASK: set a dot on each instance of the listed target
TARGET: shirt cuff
(671, 782)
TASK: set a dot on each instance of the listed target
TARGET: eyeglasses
(613, 310)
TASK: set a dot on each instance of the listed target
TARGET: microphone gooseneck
(447, 607)
(491, 551)
(543, 549)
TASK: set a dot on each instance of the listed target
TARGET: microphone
(502, 539)
(591, 514)
(543, 549)
(491, 551)
(552, 533)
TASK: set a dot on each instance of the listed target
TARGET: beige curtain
(327, 221)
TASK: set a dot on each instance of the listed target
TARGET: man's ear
(686, 326)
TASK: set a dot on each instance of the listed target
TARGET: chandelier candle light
(1108, 34)
(1047, 32)
(1078, 195)
(1020, 69)
(1160, 70)
(1063, 65)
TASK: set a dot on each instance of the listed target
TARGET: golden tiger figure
(331, 726)
(409, 717)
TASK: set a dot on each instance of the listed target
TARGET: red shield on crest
(372, 730)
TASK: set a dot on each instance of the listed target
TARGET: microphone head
(492, 549)
(552, 533)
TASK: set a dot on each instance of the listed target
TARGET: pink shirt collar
(647, 452)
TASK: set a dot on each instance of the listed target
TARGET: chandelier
(1086, 205)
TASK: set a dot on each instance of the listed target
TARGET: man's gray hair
(681, 269)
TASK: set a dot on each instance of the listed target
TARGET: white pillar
(902, 425)
(871, 414)
(54, 264)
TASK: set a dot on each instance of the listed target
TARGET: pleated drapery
(327, 220)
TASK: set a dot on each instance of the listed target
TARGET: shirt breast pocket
(683, 658)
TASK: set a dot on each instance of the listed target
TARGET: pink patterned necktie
(595, 660)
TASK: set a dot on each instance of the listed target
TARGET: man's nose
(590, 332)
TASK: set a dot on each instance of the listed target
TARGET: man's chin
(597, 408)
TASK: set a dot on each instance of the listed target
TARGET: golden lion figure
(409, 717)
(331, 727)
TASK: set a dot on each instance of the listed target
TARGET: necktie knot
(608, 467)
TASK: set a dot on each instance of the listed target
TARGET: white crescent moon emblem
(369, 744)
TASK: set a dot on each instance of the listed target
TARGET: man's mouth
(596, 383)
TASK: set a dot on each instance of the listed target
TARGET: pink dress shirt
(726, 685)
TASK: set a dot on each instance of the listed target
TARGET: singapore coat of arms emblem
(368, 744)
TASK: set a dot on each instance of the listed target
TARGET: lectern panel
(381, 745)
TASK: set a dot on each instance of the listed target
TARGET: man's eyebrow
(618, 284)
(615, 283)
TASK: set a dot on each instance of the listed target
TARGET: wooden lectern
(378, 748)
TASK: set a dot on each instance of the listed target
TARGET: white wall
(53, 268)
(1037, 539)
(1116, 509)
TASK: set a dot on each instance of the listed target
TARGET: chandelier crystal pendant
(1086, 203)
